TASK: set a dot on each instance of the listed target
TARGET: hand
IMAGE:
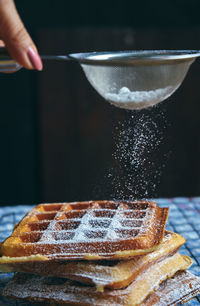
(16, 38)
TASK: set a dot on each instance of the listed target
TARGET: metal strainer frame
(154, 70)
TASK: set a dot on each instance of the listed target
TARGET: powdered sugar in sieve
(138, 99)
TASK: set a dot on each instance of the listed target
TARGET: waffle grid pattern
(103, 227)
(184, 218)
(85, 224)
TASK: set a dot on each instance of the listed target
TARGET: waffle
(61, 291)
(114, 275)
(88, 230)
(179, 289)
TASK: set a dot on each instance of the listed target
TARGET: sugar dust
(139, 155)
(138, 99)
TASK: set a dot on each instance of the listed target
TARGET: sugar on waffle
(181, 288)
(109, 274)
(88, 230)
(61, 291)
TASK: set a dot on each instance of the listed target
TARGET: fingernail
(34, 59)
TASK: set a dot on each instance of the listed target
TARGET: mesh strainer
(129, 79)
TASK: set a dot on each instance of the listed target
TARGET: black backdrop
(23, 130)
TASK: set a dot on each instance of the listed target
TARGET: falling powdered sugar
(139, 155)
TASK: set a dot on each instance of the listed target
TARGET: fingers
(16, 38)
(2, 43)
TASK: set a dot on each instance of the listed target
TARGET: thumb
(16, 38)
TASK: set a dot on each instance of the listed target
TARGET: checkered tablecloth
(184, 218)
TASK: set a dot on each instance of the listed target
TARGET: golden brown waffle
(179, 289)
(114, 275)
(88, 230)
(61, 291)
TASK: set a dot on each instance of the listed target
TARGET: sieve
(127, 79)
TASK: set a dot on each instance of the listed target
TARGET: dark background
(56, 133)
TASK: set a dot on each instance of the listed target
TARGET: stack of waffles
(97, 253)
